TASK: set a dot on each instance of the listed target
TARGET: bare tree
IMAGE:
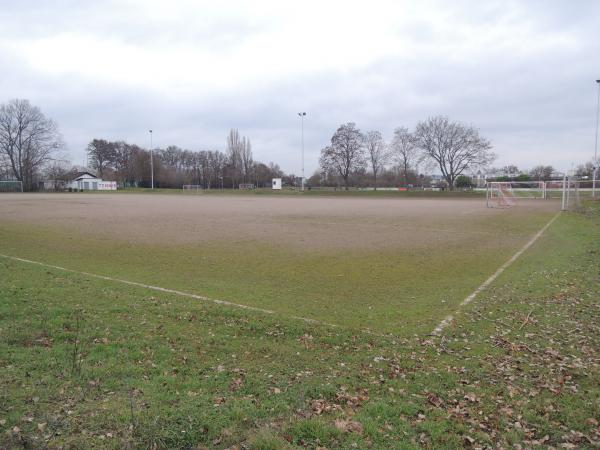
(377, 153)
(585, 170)
(453, 146)
(246, 157)
(234, 155)
(405, 151)
(541, 173)
(56, 175)
(511, 170)
(102, 155)
(346, 152)
(28, 140)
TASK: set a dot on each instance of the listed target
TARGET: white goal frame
(192, 188)
(246, 186)
(570, 190)
(505, 194)
(18, 185)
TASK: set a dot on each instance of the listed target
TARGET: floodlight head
(301, 114)
(598, 81)
(150, 131)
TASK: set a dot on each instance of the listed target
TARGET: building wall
(93, 184)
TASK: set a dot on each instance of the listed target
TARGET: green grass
(396, 290)
(87, 363)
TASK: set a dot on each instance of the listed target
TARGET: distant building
(86, 181)
(90, 182)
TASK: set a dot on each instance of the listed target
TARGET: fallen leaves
(435, 400)
(235, 384)
(471, 397)
(349, 426)
(320, 406)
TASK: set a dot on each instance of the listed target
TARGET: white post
(544, 195)
(564, 194)
(596, 144)
(151, 162)
(302, 114)
(302, 152)
(487, 194)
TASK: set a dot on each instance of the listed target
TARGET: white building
(90, 182)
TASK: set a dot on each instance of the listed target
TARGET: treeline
(31, 147)
(451, 147)
(173, 167)
(31, 151)
(538, 173)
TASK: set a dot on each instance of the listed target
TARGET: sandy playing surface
(301, 222)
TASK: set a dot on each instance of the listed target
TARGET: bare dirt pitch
(395, 265)
(302, 223)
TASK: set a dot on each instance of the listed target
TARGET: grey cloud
(536, 107)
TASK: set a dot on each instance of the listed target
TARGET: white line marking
(449, 318)
(167, 291)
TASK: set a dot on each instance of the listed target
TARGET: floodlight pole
(302, 115)
(594, 175)
(151, 161)
(564, 193)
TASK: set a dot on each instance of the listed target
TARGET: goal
(571, 199)
(572, 189)
(505, 194)
(192, 188)
(246, 186)
(11, 186)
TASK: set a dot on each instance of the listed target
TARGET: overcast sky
(521, 72)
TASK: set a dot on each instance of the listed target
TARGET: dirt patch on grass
(304, 223)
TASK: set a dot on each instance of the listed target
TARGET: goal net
(246, 186)
(571, 190)
(192, 188)
(571, 199)
(11, 186)
(504, 194)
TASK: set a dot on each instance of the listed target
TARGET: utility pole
(302, 115)
(151, 161)
(594, 175)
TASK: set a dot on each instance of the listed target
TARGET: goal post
(505, 194)
(11, 186)
(192, 188)
(574, 190)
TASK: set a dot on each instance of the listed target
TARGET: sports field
(216, 321)
(388, 265)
